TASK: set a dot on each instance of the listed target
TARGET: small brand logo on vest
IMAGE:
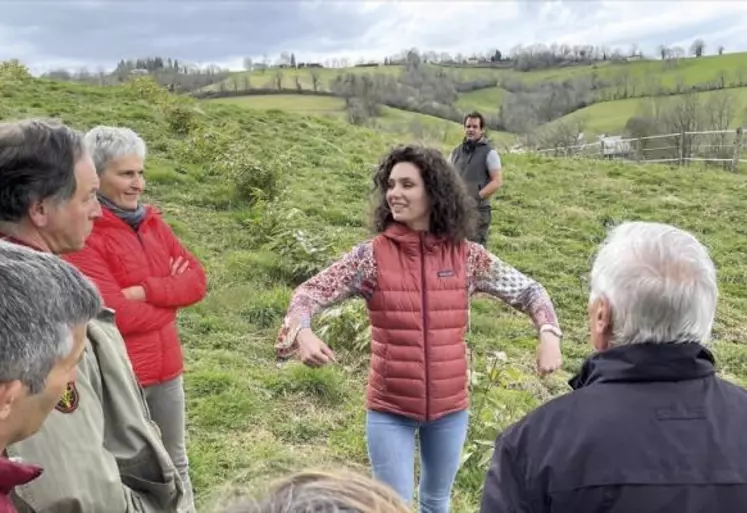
(447, 273)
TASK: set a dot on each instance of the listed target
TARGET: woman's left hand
(549, 357)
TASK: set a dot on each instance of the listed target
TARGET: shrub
(346, 326)
(303, 251)
(254, 180)
(13, 72)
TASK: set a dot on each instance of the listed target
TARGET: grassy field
(266, 78)
(403, 123)
(487, 101)
(250, 419)
(690, 71)
(604, 117)
(611, 117)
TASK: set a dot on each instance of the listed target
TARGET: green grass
(605, 117)
(611, 117)
(487, 101)
(266, 78)
(411, 124)
(250, 420)
(298, 103)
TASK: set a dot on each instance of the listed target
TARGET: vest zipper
(424, 307)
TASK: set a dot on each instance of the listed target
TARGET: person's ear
(39, 213)
(601, 320)
(10, 393)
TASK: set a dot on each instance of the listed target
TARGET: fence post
(682, 148)
(737, 149)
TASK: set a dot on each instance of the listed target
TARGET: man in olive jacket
(480, 167)
(99, 449)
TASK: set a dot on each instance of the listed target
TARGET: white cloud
(478, 26)
(103, 32)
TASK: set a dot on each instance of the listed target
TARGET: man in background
(480, 167)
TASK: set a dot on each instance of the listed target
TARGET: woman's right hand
(312, 351)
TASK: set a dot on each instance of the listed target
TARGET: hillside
(692, 71)
(249, 419)
(622, 86)
(611, 117)
(399, 122)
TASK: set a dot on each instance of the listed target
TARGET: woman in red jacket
(416, 277)
(145, 275)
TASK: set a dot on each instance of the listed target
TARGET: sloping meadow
(266, 199)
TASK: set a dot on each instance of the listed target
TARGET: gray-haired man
(99, 448)
(649, 426)
(45, 305)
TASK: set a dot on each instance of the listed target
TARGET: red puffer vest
(419, 316)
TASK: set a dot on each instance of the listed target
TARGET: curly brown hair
(452, 209)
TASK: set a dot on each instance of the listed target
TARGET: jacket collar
(110, 219)
(406, 237)
(19, 242)
(470, 146)
(648, 362)
(13, 473)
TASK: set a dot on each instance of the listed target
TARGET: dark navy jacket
(648, 428)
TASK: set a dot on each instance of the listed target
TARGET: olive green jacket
(99, 448)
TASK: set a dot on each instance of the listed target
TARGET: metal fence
(716, 147)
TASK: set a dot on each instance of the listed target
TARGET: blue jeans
(391, 448)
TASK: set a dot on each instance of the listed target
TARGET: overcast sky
(67, 33)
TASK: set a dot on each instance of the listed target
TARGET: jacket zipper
(423, 307)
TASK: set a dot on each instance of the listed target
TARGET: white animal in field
(614, 146)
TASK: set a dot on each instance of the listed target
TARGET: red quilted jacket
(419, 315)
(116, 257)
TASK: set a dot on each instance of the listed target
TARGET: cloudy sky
(97, 33)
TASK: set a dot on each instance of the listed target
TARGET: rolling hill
(611, 117)
(414, 125)
(639, 78)
(249, 419)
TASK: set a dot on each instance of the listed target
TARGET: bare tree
(278, 78)
(315, 75)
(697, 48)
(248, 64)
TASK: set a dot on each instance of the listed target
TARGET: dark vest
(470, 160)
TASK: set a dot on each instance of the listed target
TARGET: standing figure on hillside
(145, 275)
(417, 276)
(480, 167)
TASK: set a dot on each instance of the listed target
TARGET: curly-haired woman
(416, 277)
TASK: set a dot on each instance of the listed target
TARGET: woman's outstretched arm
(490, 275)
(352, 275)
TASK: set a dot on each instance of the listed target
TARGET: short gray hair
(106, 143)
(660, 282)
(43, 298)
(37, 161)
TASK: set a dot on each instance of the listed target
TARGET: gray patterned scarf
(131, 217)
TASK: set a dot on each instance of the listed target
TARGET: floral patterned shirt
(354, 275)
